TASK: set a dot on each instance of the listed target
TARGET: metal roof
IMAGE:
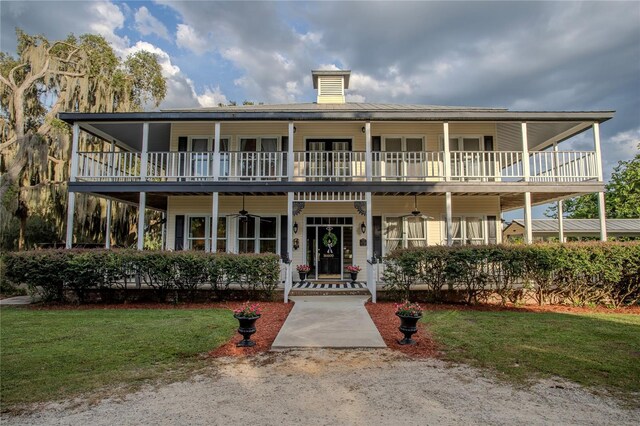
(619, 226)
(348, 106)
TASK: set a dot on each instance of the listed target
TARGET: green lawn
(590, 349)
(46, 355)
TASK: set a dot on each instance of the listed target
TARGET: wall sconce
(363, 129)
(294, 129)
(296, 244)
(363, 228)
(295, 227)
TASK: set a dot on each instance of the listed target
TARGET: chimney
(331, 85)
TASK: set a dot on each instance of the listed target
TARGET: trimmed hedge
(57, 274)
(573, 273)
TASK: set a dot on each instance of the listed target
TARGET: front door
(329, 247)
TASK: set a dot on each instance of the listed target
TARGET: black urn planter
(303, 277)
(354, 277)
(408, 327)
(247, 328)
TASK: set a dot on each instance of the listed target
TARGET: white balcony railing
(109, 166)
(329, 166)
(503, 166)
(563, 166)
(233, 165)
(487, 165)
(408, 166)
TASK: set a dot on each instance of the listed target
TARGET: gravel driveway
(364, 387)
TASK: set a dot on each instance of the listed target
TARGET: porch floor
(328, 322)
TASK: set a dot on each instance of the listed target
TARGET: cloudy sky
(518, 55)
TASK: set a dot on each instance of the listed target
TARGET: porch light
(363, 228)
(296, 244)
(295, 227)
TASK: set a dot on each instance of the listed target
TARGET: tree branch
(10, 75)
(7, 82)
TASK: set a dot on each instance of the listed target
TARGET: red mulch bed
(384, 317)
(273, 316)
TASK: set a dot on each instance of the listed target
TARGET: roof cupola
(331, 85)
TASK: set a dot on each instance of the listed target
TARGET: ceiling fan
(416, 212)
(244, 214)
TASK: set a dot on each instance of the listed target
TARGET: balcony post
(141, 210)
(71, 207)
(71, 201)
(528, 239)
(107, 232)
(290, 159)
(216, 152)
(74, 152)
(289, 267)
(144, 159)
(368, 162)
(596, 143)
(447, 155)
(214, 223)
(525, 153)
(371, 283)
(449, 219)
(602, 213)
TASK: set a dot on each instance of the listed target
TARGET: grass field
(54, 354)
(596, 350)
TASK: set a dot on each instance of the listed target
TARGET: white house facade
(331, 183)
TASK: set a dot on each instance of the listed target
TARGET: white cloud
(147, 24)
(107, 18)
(187, 38)
(212, 97)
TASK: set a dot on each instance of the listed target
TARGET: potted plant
(303, 270)
(353, 270)
(247, 315)
(409, 314)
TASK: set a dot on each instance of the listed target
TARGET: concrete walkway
(328, 322)
(16, 300)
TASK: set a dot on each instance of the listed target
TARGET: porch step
(337, 285)
(301, 292)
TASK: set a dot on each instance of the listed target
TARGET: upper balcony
(314, 166)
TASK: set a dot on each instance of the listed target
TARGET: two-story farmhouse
(332, 183)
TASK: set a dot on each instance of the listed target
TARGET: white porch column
(144, 157)
(449, 219)
(214, 223)
(368, 160)
(602, 213)
(71, 202)
(561, 221)
(71, 207)
(74, 152)
(107, 232)
(371, 281)
(596, 144)
(290, 159)
(602, 207)
(525, 153)
(163, 232)
(447, 154)
(141, 211)
(289, 267)
(527, 218)
(216, 152)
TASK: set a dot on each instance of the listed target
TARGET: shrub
(58, 274)
(574, 273)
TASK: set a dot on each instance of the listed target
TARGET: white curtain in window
(456, 232)
(393, 232)
(269, 145)
(416, 232)
(474, 229)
